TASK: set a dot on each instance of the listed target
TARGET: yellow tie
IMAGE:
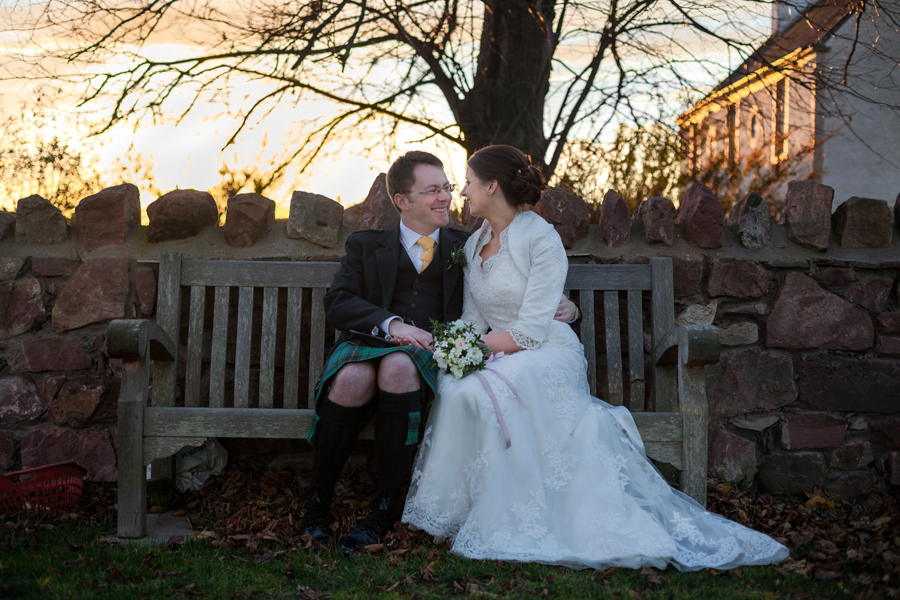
(428, 244)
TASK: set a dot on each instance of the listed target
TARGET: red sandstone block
(812, 431)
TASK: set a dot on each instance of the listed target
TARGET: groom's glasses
(433, 192)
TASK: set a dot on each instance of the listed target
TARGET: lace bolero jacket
(519, 295)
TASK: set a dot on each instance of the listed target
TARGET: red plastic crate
(46, 488)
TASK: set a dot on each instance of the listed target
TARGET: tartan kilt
(347, 353)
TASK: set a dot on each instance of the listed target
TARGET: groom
(390, 284)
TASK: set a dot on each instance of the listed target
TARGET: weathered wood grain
(662, 316)
(611, 277)
(195, 347)
(161, 447)
(292, 347)
(227, 422)
(588, 336)
(635, 351)
(613, 349)
(267, 347)
(132, 480)
(168, 315)
(219, 346)
(259, 273)
(692, 392)
(316, 343)
(659, 427)
(242, 348)
(694, 345)
(667, 452)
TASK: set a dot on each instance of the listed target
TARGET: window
(754, 128)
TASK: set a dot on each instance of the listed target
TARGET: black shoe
(375, 526)
(317, 519)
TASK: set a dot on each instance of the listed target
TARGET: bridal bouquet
(458, 349)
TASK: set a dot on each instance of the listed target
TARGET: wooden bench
(271, 326)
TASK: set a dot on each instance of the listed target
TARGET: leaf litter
(251, 507)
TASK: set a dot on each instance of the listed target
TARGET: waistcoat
(418, 297)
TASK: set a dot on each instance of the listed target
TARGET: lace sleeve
(546, 279)
(470, 313)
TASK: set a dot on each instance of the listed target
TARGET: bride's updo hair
(520, 182)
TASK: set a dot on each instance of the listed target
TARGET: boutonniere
(458, 258)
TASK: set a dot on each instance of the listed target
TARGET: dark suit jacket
(364, 286)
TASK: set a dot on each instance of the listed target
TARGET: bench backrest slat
(294, 310)
(168, 313)
(281, 315)
(267, 347)
(195, 346)
(233, 273)
(662, 316)
(613, 349)
(588, 336)
(219, 348)
(242, 347)
(316, 340)
(636, 350)
(615, 278)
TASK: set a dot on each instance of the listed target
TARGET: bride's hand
(566, 311)
(501, 341)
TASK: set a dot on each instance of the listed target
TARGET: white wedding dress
(575, 487)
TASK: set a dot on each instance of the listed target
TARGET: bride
(574, 487)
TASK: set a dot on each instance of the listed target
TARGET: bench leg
(163, 477)
(692, 396)
(132, 479)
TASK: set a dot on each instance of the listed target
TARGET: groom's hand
(409, 335)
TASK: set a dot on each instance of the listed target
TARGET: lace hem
(523, 341)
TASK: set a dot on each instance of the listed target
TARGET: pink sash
(487, 387)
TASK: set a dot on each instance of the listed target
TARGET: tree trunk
(506, 102)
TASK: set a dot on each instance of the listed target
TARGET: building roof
(816, 23)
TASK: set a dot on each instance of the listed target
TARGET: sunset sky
(189, 154)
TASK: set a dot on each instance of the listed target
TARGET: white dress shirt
(409, 240)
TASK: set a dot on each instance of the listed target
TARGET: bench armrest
(694, 345)
(134, 339)
(689, 348)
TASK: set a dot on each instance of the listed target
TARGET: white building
(828, 78)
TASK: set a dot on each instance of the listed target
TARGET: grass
(45, 560)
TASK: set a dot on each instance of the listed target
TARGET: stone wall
(807, 391)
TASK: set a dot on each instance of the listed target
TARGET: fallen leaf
(651, 575)
(818, 501)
